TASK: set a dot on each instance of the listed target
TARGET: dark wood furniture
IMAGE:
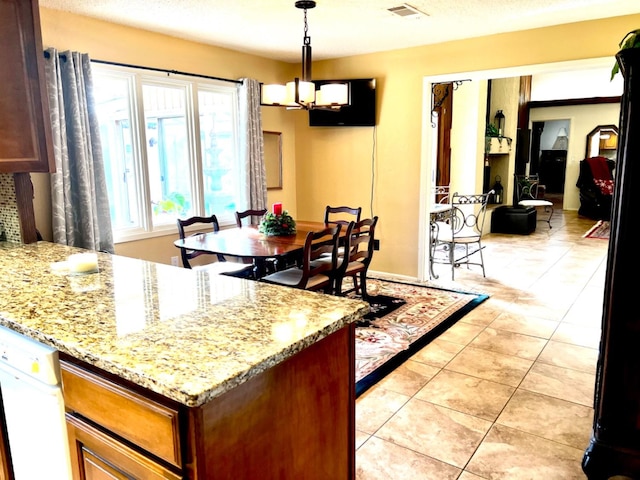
(318, 264)
(25, 131)
(248, 242)
(187, 254)
(358, 252)
(271, 264)
(552, 170)
(251, 214)
(614, 449)
(342, 215)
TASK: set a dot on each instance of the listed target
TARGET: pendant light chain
(307, 39)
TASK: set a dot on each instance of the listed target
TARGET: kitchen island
(175, 373)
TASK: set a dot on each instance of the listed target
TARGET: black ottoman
(519, 220)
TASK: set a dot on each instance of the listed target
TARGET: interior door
(443, 102)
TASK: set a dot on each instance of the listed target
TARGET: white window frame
(136, 78)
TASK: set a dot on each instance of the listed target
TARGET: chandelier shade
(301, 93)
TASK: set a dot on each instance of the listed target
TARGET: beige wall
(378, 167)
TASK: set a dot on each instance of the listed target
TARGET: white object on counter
(83, 263)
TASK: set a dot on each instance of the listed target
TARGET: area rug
(403, 319)
(599, 230)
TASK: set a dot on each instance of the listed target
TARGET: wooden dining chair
(312, 274)
(355, 264)
(342, 215)
(251, 214)
(221, 266)
(271, 264)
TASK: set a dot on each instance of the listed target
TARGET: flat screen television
(361, 111)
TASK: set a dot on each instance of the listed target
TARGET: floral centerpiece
(274, 225)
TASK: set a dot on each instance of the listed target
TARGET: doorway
(465, 175)
(549, 146)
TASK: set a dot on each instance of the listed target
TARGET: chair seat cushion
(291, 277)
(224, 267)
(354, 267)
(535, 203)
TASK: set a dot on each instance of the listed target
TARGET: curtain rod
(175, 72)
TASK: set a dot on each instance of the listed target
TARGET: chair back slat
(210, 222)
(342, 215)
(252, 214)
(358, 252)
(318, 244)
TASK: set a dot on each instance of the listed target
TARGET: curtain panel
(254, 191)
(79, 198)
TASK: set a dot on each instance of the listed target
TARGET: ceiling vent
(406, 10)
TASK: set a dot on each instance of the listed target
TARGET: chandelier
(301, 93)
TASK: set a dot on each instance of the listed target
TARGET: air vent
(406, 10)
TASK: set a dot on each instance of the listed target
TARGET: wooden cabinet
(25, 131)
(614, 450)
(97, 455)
(294, 420)
(96, 405)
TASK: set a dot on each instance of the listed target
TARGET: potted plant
(630, 40)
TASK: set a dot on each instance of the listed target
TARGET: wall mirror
(273, 159)
(602, 141)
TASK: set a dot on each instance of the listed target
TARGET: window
(170, 148)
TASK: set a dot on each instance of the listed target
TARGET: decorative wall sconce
(499, 122)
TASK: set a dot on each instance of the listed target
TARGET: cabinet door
(97, 456)
(25, 128)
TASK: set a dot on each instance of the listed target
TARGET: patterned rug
(403, 319)
(599, 230)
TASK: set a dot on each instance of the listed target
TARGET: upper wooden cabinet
(25, 129)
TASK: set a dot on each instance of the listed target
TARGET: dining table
(247, 242)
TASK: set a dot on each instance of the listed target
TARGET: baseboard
(391, 276)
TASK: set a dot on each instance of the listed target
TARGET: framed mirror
(273, 159)
(602, 141)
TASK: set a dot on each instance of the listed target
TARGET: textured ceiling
(338, 28)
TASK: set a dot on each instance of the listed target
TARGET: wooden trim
(573, 101)
(24, 202)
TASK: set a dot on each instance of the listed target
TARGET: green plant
(492, 130)
(273, 224)
(630, 40)
(174, 203)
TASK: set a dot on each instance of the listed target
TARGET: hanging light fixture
(301, 92)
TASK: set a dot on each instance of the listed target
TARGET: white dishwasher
(33, 408)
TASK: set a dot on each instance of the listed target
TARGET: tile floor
(507, 392)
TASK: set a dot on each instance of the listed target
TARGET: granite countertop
(184, 334)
